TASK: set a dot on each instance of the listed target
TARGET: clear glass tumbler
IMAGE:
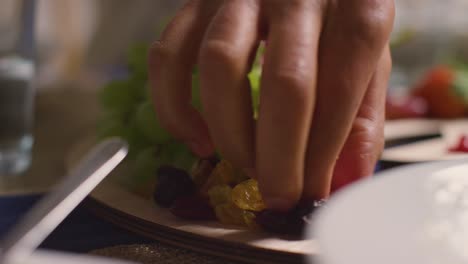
(17, 69)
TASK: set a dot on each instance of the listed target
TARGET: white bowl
(415, 214)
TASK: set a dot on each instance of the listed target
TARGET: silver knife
(49, 212)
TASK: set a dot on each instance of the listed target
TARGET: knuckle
(373, 19)
(297, 85)
(217, 54)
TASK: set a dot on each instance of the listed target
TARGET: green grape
(112, 125)
(195, 70)
(145, 165)
(178, 155)
(118, 97)
(148, 124)
(137, 59)
(139, 86)
(142, 175)
(136, 139)
(254, 77)
(147, 92)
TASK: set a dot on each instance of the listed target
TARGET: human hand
(322, 100)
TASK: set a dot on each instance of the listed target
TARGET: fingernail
(277, 203)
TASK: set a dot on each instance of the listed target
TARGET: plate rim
(110, 188)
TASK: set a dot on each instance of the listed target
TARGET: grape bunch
(128, 113)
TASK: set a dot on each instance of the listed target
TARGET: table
(81, 231)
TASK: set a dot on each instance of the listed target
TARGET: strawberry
(443, 88)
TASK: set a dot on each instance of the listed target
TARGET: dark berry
(172, 183)
(292, 222)
(193, 207)
(214, 160)
(280, 222)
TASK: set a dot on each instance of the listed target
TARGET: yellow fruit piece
(220, 194)
(227, 174)
(249, 220)
(228, 213)
(247, 196)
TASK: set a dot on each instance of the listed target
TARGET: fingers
(351, 46)
(287, 99)
(366, 139)
(170, 69)
(225, 60)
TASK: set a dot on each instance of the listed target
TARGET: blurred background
(82, 45)
(78, 38)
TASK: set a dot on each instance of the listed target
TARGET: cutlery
(50, 211)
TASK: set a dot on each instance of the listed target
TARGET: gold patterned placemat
(157, 253)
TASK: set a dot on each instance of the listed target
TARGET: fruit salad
(215, 190)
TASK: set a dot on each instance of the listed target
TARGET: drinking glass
(17, 69)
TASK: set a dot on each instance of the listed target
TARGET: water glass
(16, 114)
(17, 69)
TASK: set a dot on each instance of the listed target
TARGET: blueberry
(214, 160)
(172, 183)
(280, 222)
(292, 222)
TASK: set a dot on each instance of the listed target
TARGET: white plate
(408, 128)
(426, 150)
(421, 151)
(415, 214)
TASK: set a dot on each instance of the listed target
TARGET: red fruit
(462, 145)
(193, 207)
(437, 88)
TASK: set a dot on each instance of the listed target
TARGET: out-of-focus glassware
(427, 33)
(16, 85)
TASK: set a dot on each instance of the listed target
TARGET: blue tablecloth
(80, 232)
